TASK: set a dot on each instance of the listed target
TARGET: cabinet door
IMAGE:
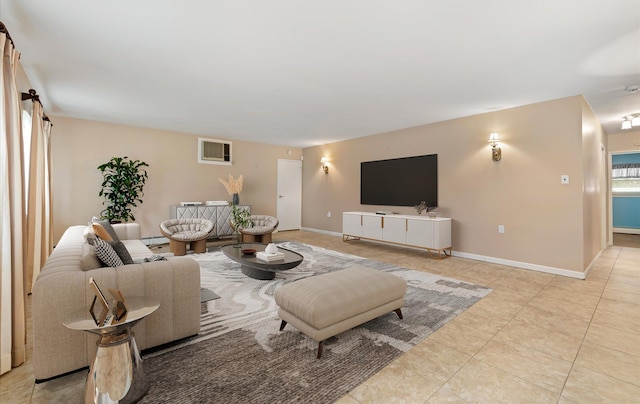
(223, 219)
(208, 212)
(420, 233)
(352, 224)
(372, 227)
(442, 234)
(394, 230)
(186, 212)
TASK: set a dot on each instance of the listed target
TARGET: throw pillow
(89, 235)
(89, 258)
(106, 253)
(107, 226)
(101, 232)
(122, 252)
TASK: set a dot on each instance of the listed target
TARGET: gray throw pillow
(122, 252)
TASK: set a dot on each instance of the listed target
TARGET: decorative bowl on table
(248, 251)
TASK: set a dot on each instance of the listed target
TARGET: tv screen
(400, 182)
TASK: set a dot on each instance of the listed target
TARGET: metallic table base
(116, 374)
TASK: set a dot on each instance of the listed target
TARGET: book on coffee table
(265, 256)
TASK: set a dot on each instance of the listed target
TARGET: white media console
(430, 233)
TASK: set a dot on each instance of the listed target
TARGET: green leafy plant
(240, 219)
(122, 184)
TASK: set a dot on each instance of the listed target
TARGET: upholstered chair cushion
(262, 224)
(186, 229)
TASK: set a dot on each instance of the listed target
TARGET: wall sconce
(496, 152)
(325, 167)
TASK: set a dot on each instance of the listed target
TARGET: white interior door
(289, 205)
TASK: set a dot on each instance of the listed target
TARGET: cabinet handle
(382, 222)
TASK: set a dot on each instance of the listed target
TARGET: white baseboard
(331, 233)
(518, 264)
(524, 265)
(626, 230)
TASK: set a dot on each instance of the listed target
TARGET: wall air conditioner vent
(213, 151)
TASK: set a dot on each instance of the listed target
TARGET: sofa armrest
(127, 231)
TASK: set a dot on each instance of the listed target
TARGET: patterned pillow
(106, 253)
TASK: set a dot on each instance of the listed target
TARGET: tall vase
(236, 199)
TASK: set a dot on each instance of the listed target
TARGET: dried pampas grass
(232, 186)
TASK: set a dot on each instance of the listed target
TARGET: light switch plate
(564, 179)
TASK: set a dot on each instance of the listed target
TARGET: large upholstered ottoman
(325, 305)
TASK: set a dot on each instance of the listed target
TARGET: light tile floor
(537, 338)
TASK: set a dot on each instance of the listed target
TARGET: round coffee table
(255, 268)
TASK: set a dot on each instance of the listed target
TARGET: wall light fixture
(325, 167)
(496, 152)
(631, 120)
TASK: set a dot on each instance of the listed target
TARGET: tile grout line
(573, 363)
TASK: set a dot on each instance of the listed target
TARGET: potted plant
(122, 183)
(240, 218)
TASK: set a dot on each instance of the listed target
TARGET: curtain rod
(4, 30)
(33, 96)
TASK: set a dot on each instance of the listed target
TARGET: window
(625, 178)
(212, 151)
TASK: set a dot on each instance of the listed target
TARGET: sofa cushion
(106, 253)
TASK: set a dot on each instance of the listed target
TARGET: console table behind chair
(220, 215)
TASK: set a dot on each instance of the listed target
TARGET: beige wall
(544, 220)
(79, 146)
(594, 163)
(627, 141)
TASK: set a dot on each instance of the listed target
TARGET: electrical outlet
(564, 179)
(500, 228)
(329, 214)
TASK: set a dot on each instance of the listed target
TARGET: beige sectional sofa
(62, 288)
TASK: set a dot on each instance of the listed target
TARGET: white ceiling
(303, 73)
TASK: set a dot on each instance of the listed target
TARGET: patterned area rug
(240, 356)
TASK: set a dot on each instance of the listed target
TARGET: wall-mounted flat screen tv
(400, 182)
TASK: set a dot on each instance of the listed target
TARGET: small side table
(116, 374)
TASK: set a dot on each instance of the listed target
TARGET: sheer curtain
(13, 333)
(39, 243)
